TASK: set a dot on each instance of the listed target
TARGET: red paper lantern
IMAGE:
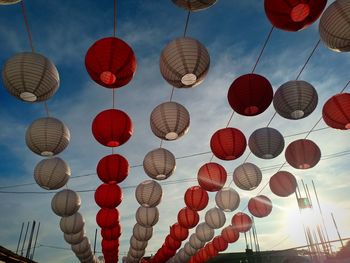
(110, 62)
(111, 233)
(212, 177)
(260, 206)
(203, 256)
(112, 127)
(283, 183)
(167, 252)
(113, 168)
(228, 144)
(219, 243)
(172, 243)
(108, 195)
(250, 94)
(230, 234)
(196, 198)
(109, 245)
(336, 111)
(241, 222)
(107, 218)
(303, 154)
(211, 250)
(293, 15)
(187, 218)
(178, 232)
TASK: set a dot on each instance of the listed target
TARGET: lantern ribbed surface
(65, 203)
(111, 233)
(283, 184)
(183, 257)
(184, 62)
(189, 250)
(196, 198)
(109, 244)
(113, 168)
(72, 224)
(149, 193)
(215, 218)
(227, 199)
(159, 164)
(303, 154)
(30, 77)
(178, 232)
(138, 245)
(212, 177)
(147, 216)
(172, 243)
(230, 234)
(247, 176)
(52, 173)
(169, 121)
(195, 242)
(220, 244)
(295, 99)
(194, 5)
(81, 247)
(266, 143)
(334, 26)
(260, 206)
(204, 232)
(9, 2)
(137, 253)
(107, 217)
(187, 218)
(142, 233)
(47, 136)
(241, 222)
(74, 238)
(336, 111)
(108, 196)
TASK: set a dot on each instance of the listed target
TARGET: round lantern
(111, 233)
(220, 244)
(137, 253)
(65, 203)
(204, 232)
(292, 15)
(247, 176)
(336, 111)
(184, 62)
(194, 5)
(250, 94)
(228, 144)
(9, 2)
(142, 233)
(137, 245)
(159, 164)
(202, 255)
(110, 62)
(283, 184)
(303, 154)
(334, 26)
(187, 218)
(108, 195)
(147, 216)
(266, 143)
(230, 234)
(212, 177)
(195, 242)
(172, 243)
(72, 224)
(169, 121)
(74, 238)
(52, 173)
(211, 250)
(82, 247)
(189, 250)
(113, 168)
(183, 256)
(178, 232)
(149, 193)
(227, 199)
(295, 99)
(47, 136)
(215, 218)
(241, 222)
(112, 127)
(196, 198)
(107, 218)
(260, 206)
(109, 245)
(30, 76)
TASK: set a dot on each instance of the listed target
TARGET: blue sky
(233, 32)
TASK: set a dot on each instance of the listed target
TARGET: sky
(234, 33)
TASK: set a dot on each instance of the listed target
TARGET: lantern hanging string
(115, 19)
(263, 49)
(27, 26)
(46, 109)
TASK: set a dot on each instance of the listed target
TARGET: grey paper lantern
(65, 203)
(183, 257)
(194, 5)
(138, 245)
(334, 26)
(136, 253)
(47, 136)
(85, 255)
(52, 173)
(227, 199)
(30, 77)
(142, 233)
(159, 164)
(82, 247)
(215, 218)
(169, 121)
(147, 216)
(9, 2)
(204, 232)
(266, 143)
(189, 250)
(74, 239)
(149, 193)
(195, 242)
(295, 99)
(72, 224)
(247, 176)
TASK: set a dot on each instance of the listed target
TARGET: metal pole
(309, 196)
(246, 242)
(336, 227)
(95, 242)
(30, 239)
(20, 237)
(25, 237)
(36, 238)
(250, 238)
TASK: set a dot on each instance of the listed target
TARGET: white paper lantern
(191, 251)
(215, 218)
(149, 193)
(183, 256)
(82, 247)
(147, 216)
(194, 5)
(227, 199)
(72, 224)
(138, 245)
(159, 164)
(9, 2)
(137, 253)
(142, 233)
(65, 203)
(247, 176)
(74, 239)
(204, 232)
(195, 242)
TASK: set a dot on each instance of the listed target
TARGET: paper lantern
(112, 127)
(189, 250)
(195, 242)
(108, 195)
(178, 232)
(65, 203)
(113, 168)
(107, 217)
(159, 164)
(250, 94)
(202, 255)
(227, 199)
(147, 216)
(247, 176)
(84, 255)
(334, 26)
(111, 233)
(336, 111)
(260, 206)
(47, 136)
(72, 224)
(137, 253)
(9, 2)
(211, 250)
(230, 234)
(204, 232)
(109, 244)
(196, 198)
(295, 99)
(283, 184)
(212, 177)
(220, 244)
(110, 62)
(138, 245)
(187, 218)
(149, 193)
(194, 5)
(30, 76)
(169, 121)
(81, 247)
(142, 233)
(266, 143)
(228, 144)
(172, 243)
(184, 62)
(52, 173)
(241, 222)
(183, 256)
(303, 154)
(215, 218)
(74, 238)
